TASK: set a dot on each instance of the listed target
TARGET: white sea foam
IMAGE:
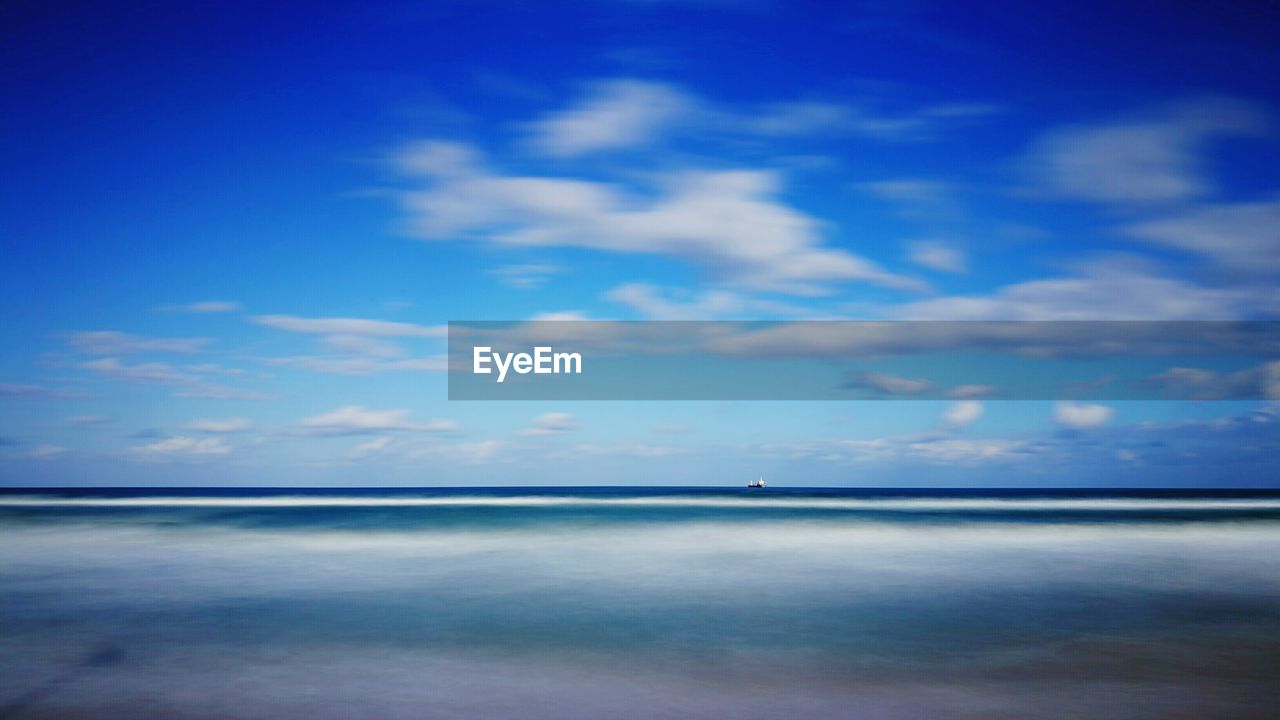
(902, 504)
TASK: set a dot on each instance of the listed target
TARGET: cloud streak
(180, 447)
(1153, 159)
(347, 326)
(552, 423)
(110, 342)
(358, 420)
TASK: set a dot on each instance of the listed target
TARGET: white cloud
(887, 384)
(211, 306)
(356, 419)
(647, 301)
(627, 113)
(937, 255)
(230, 425)
(45, 451)
(1112, 290)
(1081, 416)
(159, 373)
(34, 392)
(812, 117)
(917, 198)
(968, 392)
(615, 114)
(729, 222)
(927, 449)
(215, 369)
(560, 316)
(1149, 160)
(657, 303)
(435, 158)
(553, 423)
(635, 450)
(221, 392)
(963, 413)
(803, 118)
(88, 420)
(528, 276)
(361, 345)
(372, 447)
(180, 447)
(110, 342)
(1242, 238)
(955, 450)
(349, 326)
(153, 372)
(1262, 381)
(481, 451)
(356, 346)
(360, 365)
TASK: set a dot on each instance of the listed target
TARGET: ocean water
(638, 603)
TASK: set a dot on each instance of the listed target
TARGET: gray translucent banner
(842, 360)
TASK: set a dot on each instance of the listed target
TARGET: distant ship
(756, 483)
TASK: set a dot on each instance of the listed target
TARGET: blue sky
(232, 236)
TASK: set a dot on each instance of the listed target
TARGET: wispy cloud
(962, 414)
(158, 373)
(628, 113)
(372, 446)
(1200, 384)
(653, 302)
(34, 392)
(356, 420)
(210, 306)
(1081, 416)
(553, 423)
(178, 448)
(229, 425)
(929, 449)
(731, 223)
(45, 451)
(527, 276)
(360, 365)
(614, 114)
(863, 120)
(1151, 159)
(1103, 290)
(221, 392)
(970, 392)
(887, 384)
(193, 384)
(361, 345)
(937, 255)
(469, 453)
(110, 342)
(348, 326)
(628, 450)
(355, 346)
(1240, 238)
(648, 301)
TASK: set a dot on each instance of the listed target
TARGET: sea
(585, 602)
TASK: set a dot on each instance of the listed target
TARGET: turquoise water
(626, 603)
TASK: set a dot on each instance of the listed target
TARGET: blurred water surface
(627, 603)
